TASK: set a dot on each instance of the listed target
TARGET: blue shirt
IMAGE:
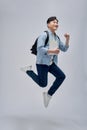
(42, 52)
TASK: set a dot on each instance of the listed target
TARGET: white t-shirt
(53, 45)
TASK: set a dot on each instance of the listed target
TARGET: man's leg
(60, 76)
(42, 78)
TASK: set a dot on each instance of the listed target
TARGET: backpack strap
(47, 39)
(58, 37)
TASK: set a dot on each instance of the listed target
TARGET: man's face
(53, 25)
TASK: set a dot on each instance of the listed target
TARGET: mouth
(55, 26)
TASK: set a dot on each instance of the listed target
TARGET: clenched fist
(67, 36)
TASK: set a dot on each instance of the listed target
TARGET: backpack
(34, 46)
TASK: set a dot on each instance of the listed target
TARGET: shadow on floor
(38, 123)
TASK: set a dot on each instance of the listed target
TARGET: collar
(50, 32)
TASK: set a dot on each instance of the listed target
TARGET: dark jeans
(42, 78)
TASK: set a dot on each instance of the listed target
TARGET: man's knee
(44, 84)
(63, 76)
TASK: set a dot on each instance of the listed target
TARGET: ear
(48, 25)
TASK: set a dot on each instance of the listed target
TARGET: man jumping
(46, 60)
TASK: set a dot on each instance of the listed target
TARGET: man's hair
(51, 19)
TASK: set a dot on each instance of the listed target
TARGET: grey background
(21, 101)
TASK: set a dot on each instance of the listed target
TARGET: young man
(46, 60)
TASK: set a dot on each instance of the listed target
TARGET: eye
(56, 22)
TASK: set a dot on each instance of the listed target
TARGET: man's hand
(67, 36)
(54, 51)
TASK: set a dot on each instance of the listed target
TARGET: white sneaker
(24, 69)
(46, 98)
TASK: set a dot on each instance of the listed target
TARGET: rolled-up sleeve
(41, 43)
(62, 46)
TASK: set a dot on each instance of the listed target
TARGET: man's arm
(67, 36)
(65, 46)
(41, 43)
